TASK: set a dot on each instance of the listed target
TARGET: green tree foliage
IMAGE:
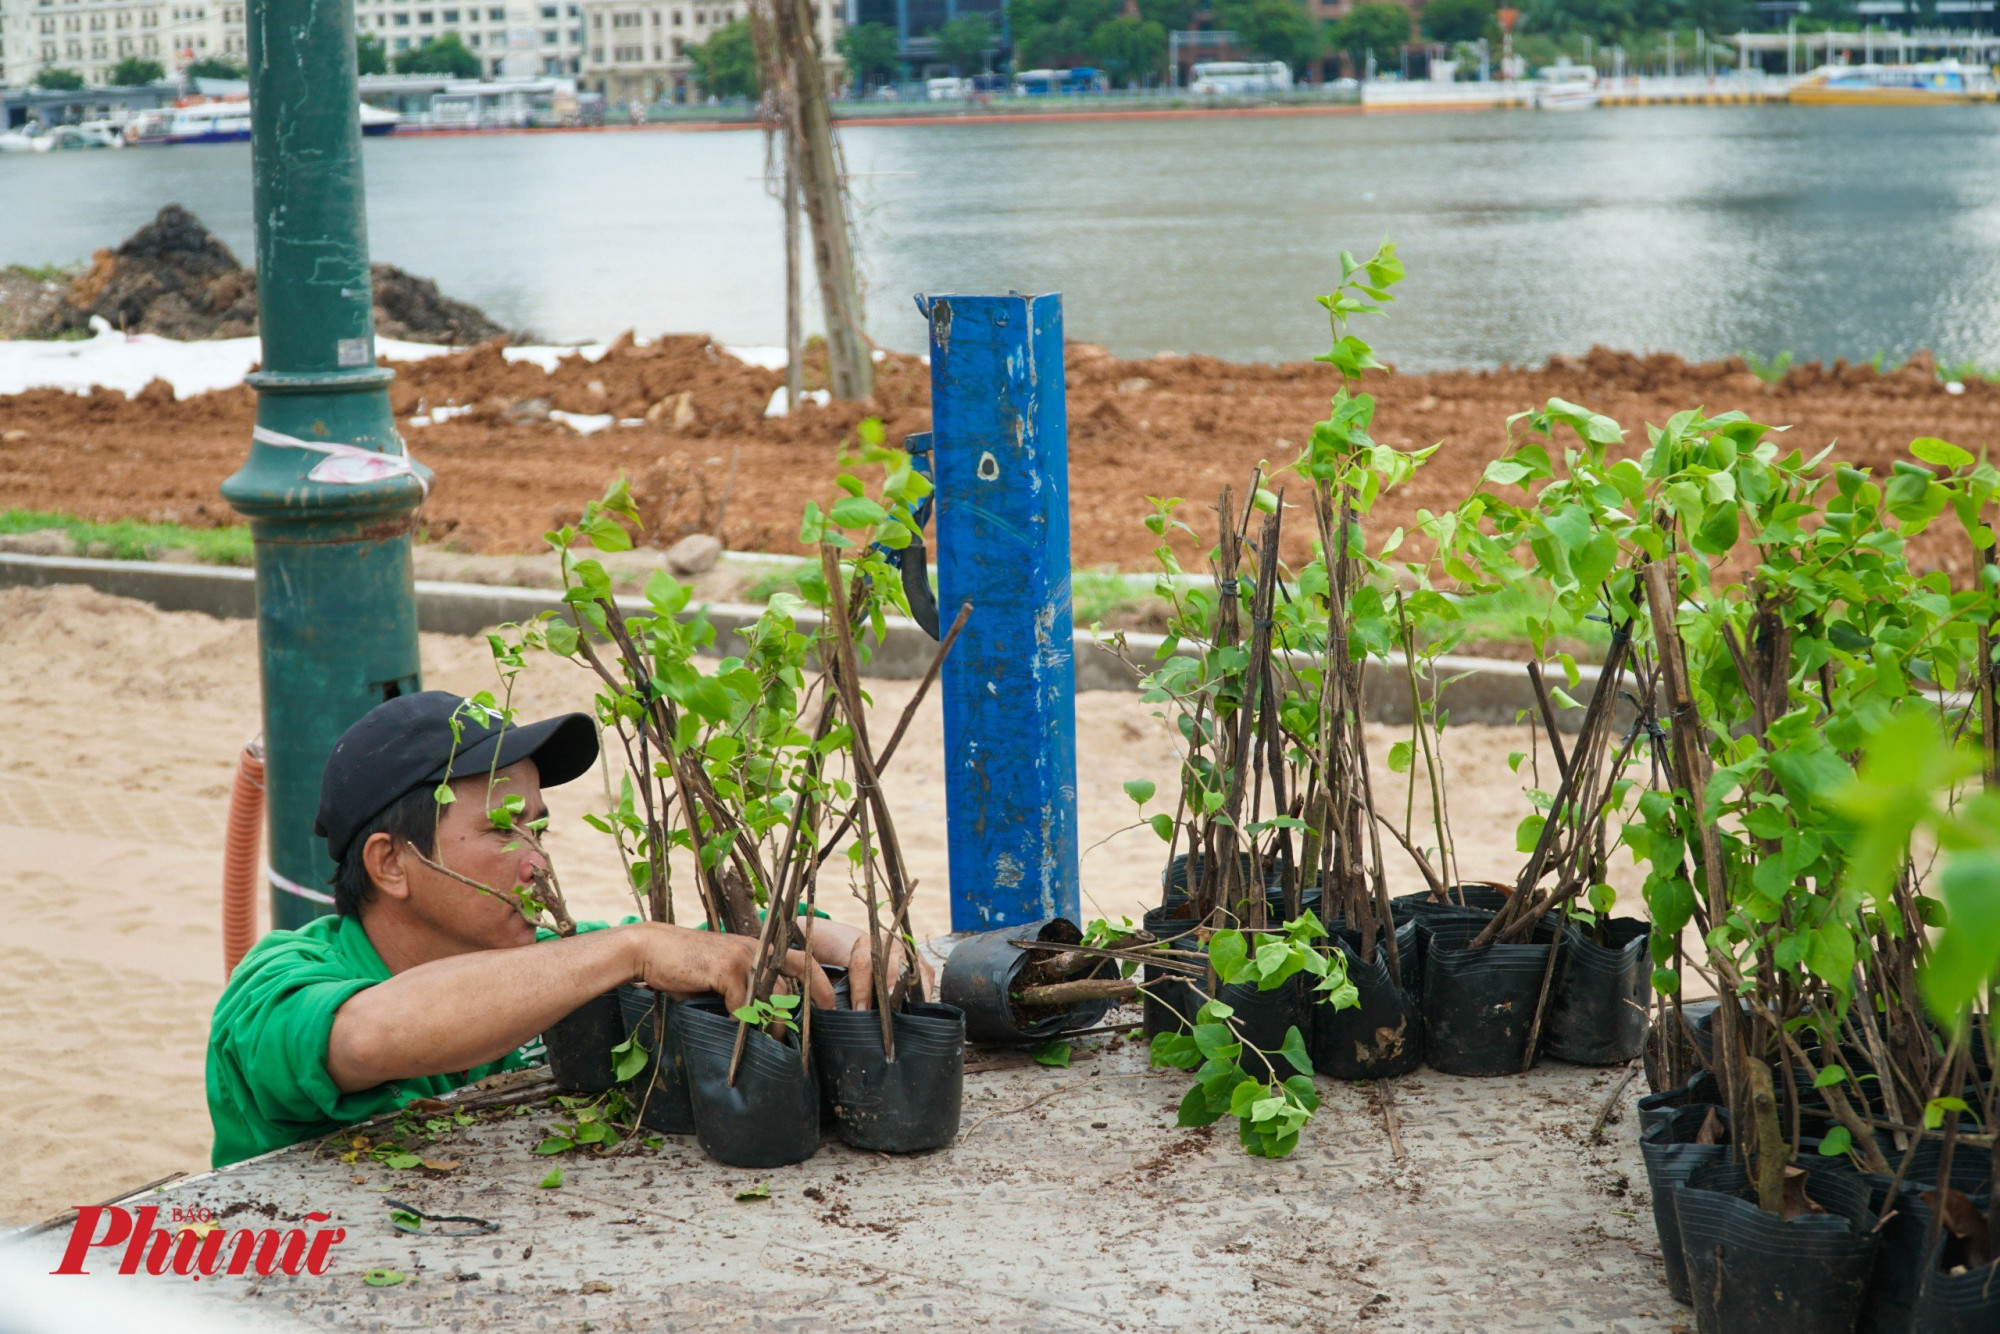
(1172, 15)
(1056, 33)
(962, 42)
(62, 80)
(1276, 29)
(133, 72)
(215, 67)
(1130, 50)
(727, 61)
(1457, 20)
(370, 56)
(441, 55)
(1615, 20)
(1380, 27)
(870, 49)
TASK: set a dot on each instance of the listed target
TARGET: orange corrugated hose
(239, 857)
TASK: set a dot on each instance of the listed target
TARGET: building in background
(637, 49)
(916, 21)
(513, 39)
(92, 36)
(520, 39)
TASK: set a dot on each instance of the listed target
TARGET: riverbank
(521, 440)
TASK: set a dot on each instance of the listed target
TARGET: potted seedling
(1786, 624)
(1551, 968)
(730, 774)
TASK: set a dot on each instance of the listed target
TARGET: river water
(1826, 231)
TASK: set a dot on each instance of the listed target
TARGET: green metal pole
(336, 607)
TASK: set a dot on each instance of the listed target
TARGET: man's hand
(847, 946)
(687, 963)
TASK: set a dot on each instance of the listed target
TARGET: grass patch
(128, 539)
(43, 273)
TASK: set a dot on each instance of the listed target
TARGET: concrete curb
(1476, 690)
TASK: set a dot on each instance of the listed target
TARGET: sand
(123, 724)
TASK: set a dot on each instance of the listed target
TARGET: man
(422, 980)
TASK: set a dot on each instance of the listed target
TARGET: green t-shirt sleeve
(267, 1048)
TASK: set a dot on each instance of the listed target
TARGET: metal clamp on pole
(329, 490)
(999, 456)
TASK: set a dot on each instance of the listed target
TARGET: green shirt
(267, 1080)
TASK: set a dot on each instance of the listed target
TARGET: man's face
(469, 844)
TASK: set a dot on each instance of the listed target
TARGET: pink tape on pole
(346, 465)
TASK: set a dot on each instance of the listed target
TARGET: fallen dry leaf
(595, 1285)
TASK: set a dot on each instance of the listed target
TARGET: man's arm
(452, 1014)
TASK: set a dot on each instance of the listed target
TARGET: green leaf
(666, 594)
(857, 512)
(1935, 1109)
(1943, 453)
(553, 1179)
(760, 1191)
(1828, 1077)
(382, 1278)
(1176, 1050)
(1055, 1053)
(403, 1162)
(555, 1144)
(1967, 953)
(1293, 1049)
(1529, 832)
(1140, 790)
(1399, 757)
(1229, 951)
(1216, 1042)
(1836, 1142)
(1163, 825)
(1194, 1109)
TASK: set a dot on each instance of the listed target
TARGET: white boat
(1566, 87)
(224, 122)
(61, 138)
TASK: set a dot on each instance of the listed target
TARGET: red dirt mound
(1165, 426)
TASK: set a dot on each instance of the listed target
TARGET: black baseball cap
(406, 744)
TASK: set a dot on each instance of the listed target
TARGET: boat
(1926, 83)
(223, 122)
(1566, 87)
(61, 138)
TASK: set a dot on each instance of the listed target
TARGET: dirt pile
(688, 429)
(172, 277)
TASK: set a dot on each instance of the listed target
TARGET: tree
(727, 61)
(1051, 34)
(440, 55)
(870, 49)
(1129, 50)
(1172, 15)
(962, 42)
(370, 56)
(58, 80)
(133, 72)
(1380, 27)
(1457, 20)
(1277, 29)
(215, 67)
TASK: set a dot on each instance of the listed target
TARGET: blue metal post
(1000, 459)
